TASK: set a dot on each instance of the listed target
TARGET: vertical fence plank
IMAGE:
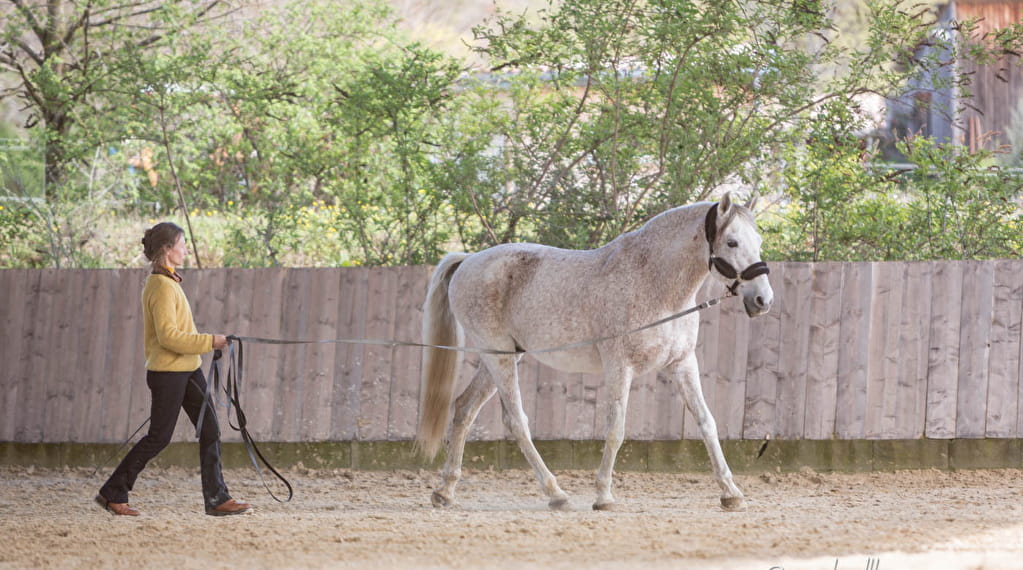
(854, 351)
(795, 339)
(404, 400)
(577, 418)
(670, 409)
(15, 313)
(291, 315)
(349, 358)
(882, 377)
(318, 377)
(913, 340)
(1004, 359)
(92, 328)
(974, 347)
(62, 362)
(551, 398)
(883, 293)
(591, 424)
(943, 359)
(42, 332)
(297, 313)
(101, 366)
(641, 418)
(824, 323)
(263, 361)
(764, 365)
(659, 408)
(1019, 378)
(127, 357)
(580, 407)
(376, 377)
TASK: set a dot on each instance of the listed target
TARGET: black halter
(710, 227)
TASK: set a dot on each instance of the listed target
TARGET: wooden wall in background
(849, 351)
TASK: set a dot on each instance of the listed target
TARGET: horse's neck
(675, 252)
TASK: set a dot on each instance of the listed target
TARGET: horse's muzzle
(757, 304)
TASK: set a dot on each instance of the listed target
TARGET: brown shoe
(228, 507)
(123, 509)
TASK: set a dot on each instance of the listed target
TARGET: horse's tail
(439, 366)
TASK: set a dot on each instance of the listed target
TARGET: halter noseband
(710, 227)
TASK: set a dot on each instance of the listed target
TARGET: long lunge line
(477, 350)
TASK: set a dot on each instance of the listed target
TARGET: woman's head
(160, 239)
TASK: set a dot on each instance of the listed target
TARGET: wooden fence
(849, 351)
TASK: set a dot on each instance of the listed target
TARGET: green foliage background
(318, 134)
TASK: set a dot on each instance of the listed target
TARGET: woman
(175, 379)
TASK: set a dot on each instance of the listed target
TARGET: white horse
(522, 297)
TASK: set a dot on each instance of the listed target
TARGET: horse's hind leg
(516, 421)
(687, 374)
(619, 382)
(467, 407)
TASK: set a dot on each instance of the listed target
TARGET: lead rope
(119, 448)
(232, 390)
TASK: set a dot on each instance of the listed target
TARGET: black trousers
(172, 391)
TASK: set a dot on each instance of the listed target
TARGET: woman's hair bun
(159, 237)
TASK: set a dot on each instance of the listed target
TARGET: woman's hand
(219, 341)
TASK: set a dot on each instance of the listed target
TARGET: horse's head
(735, 254)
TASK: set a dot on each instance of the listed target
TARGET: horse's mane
(689, 210)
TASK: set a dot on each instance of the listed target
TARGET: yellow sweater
(171, 340)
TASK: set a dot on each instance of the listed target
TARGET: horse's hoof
(440, 501)
(611, 506)
(733, 504)
(559, 504)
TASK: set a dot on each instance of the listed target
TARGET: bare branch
(26, 13)
(31, 53)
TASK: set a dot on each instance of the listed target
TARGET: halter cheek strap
(710, 228)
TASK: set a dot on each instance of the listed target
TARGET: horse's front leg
(687, 374)
(619, 381)
(467, 407)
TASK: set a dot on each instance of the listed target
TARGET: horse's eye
(733, 243)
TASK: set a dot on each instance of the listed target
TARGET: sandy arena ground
(359, 519)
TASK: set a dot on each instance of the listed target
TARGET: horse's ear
(725, 205)
(752, 202)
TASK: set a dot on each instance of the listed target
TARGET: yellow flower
(230, 202)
